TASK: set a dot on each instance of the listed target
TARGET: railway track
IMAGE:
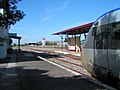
(69, 62)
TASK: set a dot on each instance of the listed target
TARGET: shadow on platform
(35, 79)
(29, 78)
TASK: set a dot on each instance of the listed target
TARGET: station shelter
(73, 36)
(14, 36)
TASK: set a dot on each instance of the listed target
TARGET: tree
(12, 14)
(66, 40)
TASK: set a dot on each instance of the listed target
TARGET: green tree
(66, 40)
(12, 14)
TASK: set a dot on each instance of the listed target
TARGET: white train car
(101, 50)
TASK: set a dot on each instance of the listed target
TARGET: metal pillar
(61, 42)
(75, 43)
(18, 45)
(80, 44)
(67, 41)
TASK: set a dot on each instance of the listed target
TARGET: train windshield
(108, 26)
(114, 27)
(115, 36)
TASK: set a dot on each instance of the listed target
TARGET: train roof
(76, 30)
(107, 13)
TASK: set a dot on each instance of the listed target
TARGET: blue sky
(45, 17)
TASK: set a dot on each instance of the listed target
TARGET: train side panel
(101, 50)
(87, 57)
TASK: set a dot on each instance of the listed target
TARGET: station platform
(39, 74)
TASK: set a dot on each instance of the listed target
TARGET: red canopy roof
(76, 30)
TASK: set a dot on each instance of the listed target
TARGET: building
(74, 36)
(4, 41)
(4, 38)
(43, 41)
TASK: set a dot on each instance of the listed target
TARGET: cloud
(51, 13)
(47, 17)
(65, 5)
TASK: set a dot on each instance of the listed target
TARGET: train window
(96, 24)
(115, 40)
(114, 25)
(101, 29)
(100, 40)
(94, 31)
(116, 35)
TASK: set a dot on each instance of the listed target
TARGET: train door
(101, 62)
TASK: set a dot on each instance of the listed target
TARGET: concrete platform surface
(25, 71)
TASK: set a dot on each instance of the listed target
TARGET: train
(101, 50)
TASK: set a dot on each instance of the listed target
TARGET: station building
(5, 38)
(73, 36)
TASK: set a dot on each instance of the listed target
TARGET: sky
(45, 17)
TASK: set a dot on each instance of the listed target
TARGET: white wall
(3, 48)
(74, 43)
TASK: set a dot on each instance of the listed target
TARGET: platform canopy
(76, 30)
(15, 37)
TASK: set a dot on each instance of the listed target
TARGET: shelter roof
(15, 37)
(76, 30)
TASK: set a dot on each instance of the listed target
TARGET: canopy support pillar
(61, 41)
(19, 45)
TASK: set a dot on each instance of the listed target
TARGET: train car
(101, 50)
